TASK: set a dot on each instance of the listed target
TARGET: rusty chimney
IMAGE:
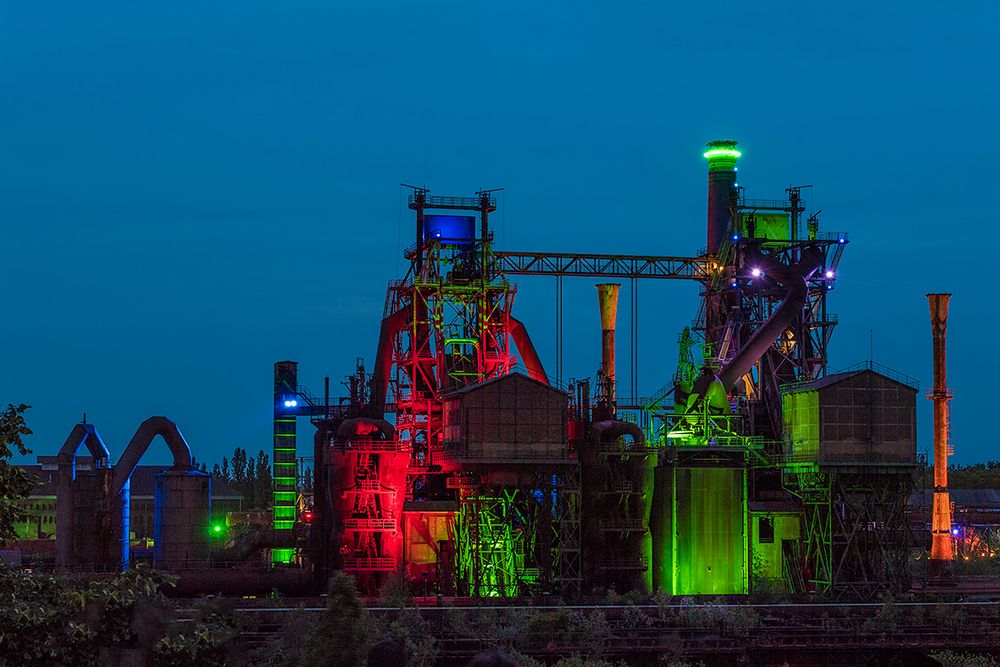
(941, 567)
(607, 299)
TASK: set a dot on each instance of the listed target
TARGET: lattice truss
(856, 535)
(457, 334)
(520, 540)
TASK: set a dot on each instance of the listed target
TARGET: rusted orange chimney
(941, 567)
(607, 298)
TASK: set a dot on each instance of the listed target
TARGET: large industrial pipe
(532, 362)
(607, 300)
(391, 326)
(121, 484)
(722, 157)
(941, 545)
(794, 280)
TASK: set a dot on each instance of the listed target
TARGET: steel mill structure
(457, 461)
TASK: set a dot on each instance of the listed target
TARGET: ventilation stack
(722, 156)
(941, 566)
(607, 297)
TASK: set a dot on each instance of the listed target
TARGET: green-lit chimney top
(722, 155)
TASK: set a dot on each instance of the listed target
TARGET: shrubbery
(58, 620)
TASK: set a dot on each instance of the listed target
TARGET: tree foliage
(343, 635)
(970, 476)
(15, 483)
(57, 620)
(248, 475)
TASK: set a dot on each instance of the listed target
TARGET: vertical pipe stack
(722, 157)
(941, 568)
(607, 298)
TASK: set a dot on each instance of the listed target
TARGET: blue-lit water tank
(452, 229)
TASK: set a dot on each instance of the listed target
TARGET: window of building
(765, 530)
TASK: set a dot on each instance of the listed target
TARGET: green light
(722, 153)
(217, 528)
(282, 555)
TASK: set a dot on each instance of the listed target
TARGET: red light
(307, 517)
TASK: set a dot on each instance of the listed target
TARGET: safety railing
(369, 563)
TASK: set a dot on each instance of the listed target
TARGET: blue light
(841, 240)
(455, 229)
(954, 531)
(829, 274)
(736, 237)
(291, 403)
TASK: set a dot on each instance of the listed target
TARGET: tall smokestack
(722, 157)
(607, 299)
(941, 568)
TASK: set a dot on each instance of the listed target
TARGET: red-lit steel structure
(459, 464)
(420, 495)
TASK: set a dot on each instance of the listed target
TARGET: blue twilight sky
(192, 191)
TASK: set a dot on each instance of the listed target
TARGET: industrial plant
(459, 460)
(462, 461)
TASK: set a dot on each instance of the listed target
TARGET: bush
(958, 659)
(342, 637)
(206, 642)
(287, 647)
(49, 620)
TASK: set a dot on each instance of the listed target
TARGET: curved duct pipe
(66, 500)
(137, 446)
(606, 430)
(527, 351)
(796, 292)
(83, 434)
(391, 326)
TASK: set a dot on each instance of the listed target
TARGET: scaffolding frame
(521, 540)
(857, 537)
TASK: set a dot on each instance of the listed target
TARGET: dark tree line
(971, 476)
(250, 476)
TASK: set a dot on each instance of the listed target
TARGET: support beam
(603, 266)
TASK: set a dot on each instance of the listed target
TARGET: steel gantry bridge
(591, 265)
(603, 266)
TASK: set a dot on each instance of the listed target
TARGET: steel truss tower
(741, 297)
(448, 326)
(856, 536)
(457, 320)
